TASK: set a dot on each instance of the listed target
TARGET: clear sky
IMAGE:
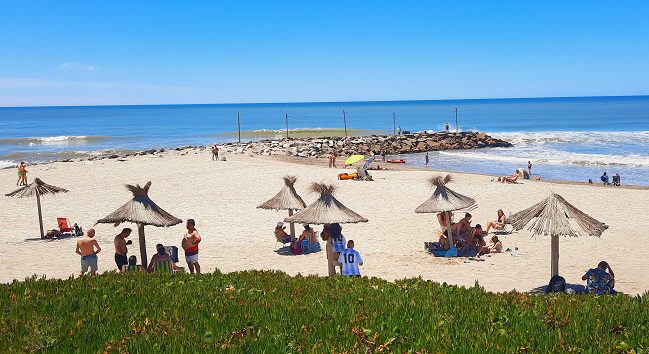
(147, 52)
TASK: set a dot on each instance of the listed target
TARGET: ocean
(564, 138)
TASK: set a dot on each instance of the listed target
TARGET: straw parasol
(555, 217)
(37, 188)
(326, 210)
(286, 199)
(444, 200)
(141, 210)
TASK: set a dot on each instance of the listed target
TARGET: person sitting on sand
(604, 178)
(495, 247)
(500, 222)
(88, 248)
(132, 266)
(160, 256)
(280, 233)
(462, 227)
(598, 281)
(509, 179)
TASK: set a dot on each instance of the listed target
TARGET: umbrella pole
(140, 231)
(448, 230)
(291, 225)
(40, 214)
(330, 262)
(554, 250)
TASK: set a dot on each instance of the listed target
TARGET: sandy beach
(222, 197)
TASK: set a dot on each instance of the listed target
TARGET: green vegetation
(272, 312)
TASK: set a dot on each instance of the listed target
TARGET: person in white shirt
(350, 260)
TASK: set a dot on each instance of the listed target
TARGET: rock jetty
(390, 144)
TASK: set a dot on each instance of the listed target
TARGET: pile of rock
(390, 144)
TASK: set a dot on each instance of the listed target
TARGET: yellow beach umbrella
(353, 159)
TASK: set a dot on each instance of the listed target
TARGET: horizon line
(325, 102)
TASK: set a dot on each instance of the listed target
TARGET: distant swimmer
(529, 167)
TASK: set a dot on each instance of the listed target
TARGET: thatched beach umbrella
(142, 211)
(37, 188)
(555, 217)
(444, 200)
(286, 199)
(326, 210)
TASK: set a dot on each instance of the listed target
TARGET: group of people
(469, 241)
(22, 174)
(342, 254)
(605, 179)
(88, 248)
(599, 281)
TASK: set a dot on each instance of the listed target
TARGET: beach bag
(296, 248)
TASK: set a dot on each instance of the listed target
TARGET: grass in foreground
(272, 312)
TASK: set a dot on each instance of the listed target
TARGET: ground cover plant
(272, 312)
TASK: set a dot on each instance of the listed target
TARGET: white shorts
(192, 259)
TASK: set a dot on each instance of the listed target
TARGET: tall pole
(287, 129)
(40, 214)
(140, 233)
(457, 128)
(345, 121)
(394, 124)
(554, 255)
(239, 126)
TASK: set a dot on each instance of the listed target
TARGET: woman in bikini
(499, 224)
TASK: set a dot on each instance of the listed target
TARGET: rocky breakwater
(367, 145)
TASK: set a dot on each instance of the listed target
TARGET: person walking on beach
(22, 174)
(120, 248)
(333, 160)
(215, 153)
(350, 260)
(88, 248)
(190, 245)
(446, 127)
(427, 159)
(529, 167)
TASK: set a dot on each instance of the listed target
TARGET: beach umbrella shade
(326, 210)
(37, 188)
(555, 217)
(286, 199)
(444, 200)
(142, 211)
(354, 159)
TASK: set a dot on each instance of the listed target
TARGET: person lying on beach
(280, 233)
(598, 281)
(160, 256)
(500, 222)
(495, 247)
(88, 248)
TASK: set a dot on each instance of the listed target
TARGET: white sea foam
(5, 164)
(585, 137)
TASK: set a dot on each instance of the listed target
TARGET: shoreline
(185, 149)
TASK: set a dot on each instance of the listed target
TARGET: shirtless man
(120, 248)
(190, 245)
(86, 249)
(215, 153)
(463, 226)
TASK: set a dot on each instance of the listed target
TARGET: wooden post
(448, 229)
(140, 231)
(457, 128)
(291, 226)
(554, 255)
(345, 122)
(239, 126)
(287, 138)
(330, 262)
(394, 124)
(40, 214)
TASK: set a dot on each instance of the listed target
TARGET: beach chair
(165, 267)
(284, 241)
(173, 252)
(131, 268)
(64, 225)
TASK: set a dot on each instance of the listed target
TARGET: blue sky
(149, 52)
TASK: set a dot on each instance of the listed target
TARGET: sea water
(564, 138)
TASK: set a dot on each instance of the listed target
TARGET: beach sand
(222, 197)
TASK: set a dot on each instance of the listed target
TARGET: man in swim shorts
(88, 248)
(190, 245)
(120, 248)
